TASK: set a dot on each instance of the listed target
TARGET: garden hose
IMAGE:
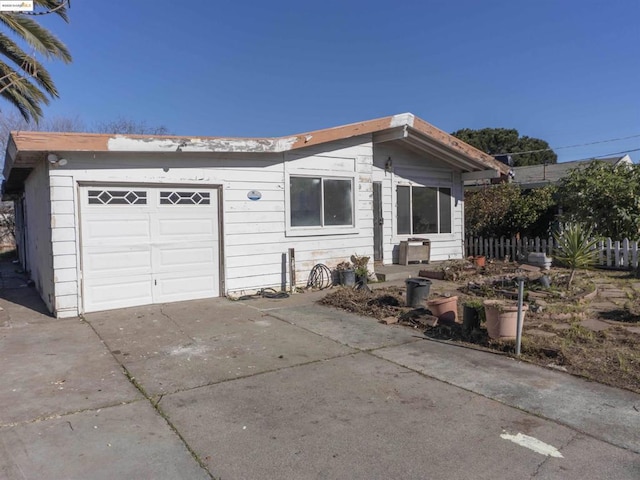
(320, 277)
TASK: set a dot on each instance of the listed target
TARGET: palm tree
(24, 82)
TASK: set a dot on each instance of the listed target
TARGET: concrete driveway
(287, 389)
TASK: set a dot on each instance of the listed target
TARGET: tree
(496, 141)
(506, 210)
(127, 126)
(24, 82)
(605, 197)
(11, 121)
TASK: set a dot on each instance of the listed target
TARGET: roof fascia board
(480, 175)
(10, 157)
(397, 133)
(446, 155)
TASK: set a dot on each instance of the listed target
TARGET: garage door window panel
(117, 197)
(185, 198)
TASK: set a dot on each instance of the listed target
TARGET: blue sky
(566, 71)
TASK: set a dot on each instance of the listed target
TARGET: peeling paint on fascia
(197, 145)
(402, 119)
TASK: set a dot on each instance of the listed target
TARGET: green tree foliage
(605, 197)
(506, 210)
(496, 141)
(24, 82)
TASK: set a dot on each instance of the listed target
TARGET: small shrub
(576, 248)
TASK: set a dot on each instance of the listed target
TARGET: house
(111, 221)
(535, 176)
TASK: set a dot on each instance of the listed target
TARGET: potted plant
(445, 308)
(472, 314)
(502, 318)
(479, 260)
(360, 268)
(346, 274)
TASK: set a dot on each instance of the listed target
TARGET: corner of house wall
(63, 246)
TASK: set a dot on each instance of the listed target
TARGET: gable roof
(26, 149)
(532, 176)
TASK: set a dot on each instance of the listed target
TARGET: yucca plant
(575, 248)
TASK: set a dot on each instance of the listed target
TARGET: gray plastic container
(417, 291)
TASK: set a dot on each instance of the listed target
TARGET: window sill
(434, 237)
(315, 231)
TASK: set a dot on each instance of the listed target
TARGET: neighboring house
(110, 221)
(535, 176)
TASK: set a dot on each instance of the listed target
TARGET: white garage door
(148, 245)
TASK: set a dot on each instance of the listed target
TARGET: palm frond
(28, 64)
(36, 36)
(59, 7)
(20, 92)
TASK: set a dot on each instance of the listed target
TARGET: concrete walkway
(287, 389)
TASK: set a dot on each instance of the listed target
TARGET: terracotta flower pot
(445, 309)
(502, 318)
(480, 261)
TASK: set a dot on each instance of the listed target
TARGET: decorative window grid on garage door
(117, 197)
(185, 198)
(148, 245)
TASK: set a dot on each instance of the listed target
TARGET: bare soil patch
(592, 330)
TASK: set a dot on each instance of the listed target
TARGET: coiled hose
(320, 277)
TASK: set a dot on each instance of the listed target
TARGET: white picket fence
(618, 254)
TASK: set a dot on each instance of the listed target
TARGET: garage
(143, 245)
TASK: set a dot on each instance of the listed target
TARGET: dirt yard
(591, 330)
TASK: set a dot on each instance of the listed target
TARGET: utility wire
(605, 155)
(47, 12)
(571, 146)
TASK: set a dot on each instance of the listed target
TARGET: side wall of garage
(38, 224)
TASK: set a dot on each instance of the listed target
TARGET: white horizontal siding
(38, 246)
(254, 231)
(410, 167)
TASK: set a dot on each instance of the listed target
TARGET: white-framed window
(321, 202)
(423, 210)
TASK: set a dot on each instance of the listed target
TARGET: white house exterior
(110, 221)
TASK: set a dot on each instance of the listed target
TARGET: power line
(595, 157)
(62, 4)
(571, 146)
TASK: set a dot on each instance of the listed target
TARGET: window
(117, 197)
(424, 210)
(321, 202)
(185, 198)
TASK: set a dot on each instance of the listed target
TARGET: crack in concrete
(546, 459)
(155, 405)
(372, 349)
(66, 414)
(279, 369)
(177, 325)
